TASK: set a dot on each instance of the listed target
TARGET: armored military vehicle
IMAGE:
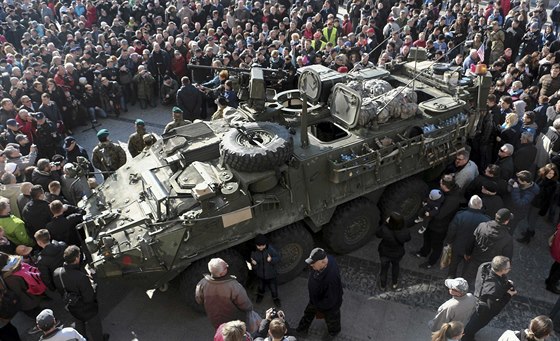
(315, 161)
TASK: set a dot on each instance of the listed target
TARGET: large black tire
(294, 243)
(272, 146)
(352, 226)
(190, 277)
(404, 197)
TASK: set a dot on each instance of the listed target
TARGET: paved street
(368, 314)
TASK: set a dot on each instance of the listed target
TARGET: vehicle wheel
(404, 197)
(294, 243)
(196, 271)
(352, 226)
(188, 280)
(269, 146)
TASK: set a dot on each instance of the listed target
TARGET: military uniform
(108, 157)
(175, 124)
(136, 142)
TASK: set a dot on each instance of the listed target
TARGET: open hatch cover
(345, 106)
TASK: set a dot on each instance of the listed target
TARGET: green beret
(139, 122)
(177, 109)
(102, 133)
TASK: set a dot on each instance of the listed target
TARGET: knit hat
(139, 122)
(177, 109)
(260, 239)
(435, 194)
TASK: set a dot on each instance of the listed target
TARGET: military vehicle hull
(291, 170)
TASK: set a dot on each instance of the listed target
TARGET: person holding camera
(144, 82)
(274, 327)
(493, 291)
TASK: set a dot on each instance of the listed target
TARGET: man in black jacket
(437, 228)
(50, 258)
(460, 232)
(36, 213)
(325, 293)
(77, 282)
(44, 174)
(493, 291)
(62, 227)
(491, 238)
(189, 99)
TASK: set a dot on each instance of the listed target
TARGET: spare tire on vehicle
(257, 147)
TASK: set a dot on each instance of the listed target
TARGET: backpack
(32, 278)
(9, 302)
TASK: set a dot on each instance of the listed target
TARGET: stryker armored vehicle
(314, 161)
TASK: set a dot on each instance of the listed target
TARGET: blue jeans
(93, 111)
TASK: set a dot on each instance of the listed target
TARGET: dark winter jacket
(265, 269)
(189, 99)
(491, 204)
(325, 287)
(64, 228)
(453, 200)
(77, 281)
(19, 287)
(522, 198)
(50, 258)
(506, 167)
(460, 233)
(44, 178)
(524, 157)
(36, 215)
(547, 188)
(491, 289)
(392, 242)
(491, 239)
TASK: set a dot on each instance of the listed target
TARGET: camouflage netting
(373, 87)
(402, 106)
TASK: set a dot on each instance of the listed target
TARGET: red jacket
(179, 66)
(26, 127)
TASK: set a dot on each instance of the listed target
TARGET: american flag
(480, 52)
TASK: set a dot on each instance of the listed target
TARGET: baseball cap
(11, 122)
(68, 141)
(316, 254)
(45, 320)
(459, 284)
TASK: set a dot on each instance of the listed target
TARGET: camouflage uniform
(108, 157)
(136, 142)
(175, 124)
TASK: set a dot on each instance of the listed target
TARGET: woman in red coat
(178, 65)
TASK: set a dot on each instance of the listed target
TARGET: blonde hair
(511, 119)
(234, 331)
(448, 331)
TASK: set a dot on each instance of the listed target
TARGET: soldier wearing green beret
(136, 140)
(107, 156)
(178, 120)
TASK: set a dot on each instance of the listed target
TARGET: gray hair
(217, 267)
(475, 202)
(556, 123)
(234, 331)
(500, 263)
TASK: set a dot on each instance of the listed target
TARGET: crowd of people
(69, 63)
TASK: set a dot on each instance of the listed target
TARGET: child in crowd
(430, 208)
(264, 260)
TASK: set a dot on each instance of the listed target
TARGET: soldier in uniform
(136, 140)
(107, 156)
(178, 120)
